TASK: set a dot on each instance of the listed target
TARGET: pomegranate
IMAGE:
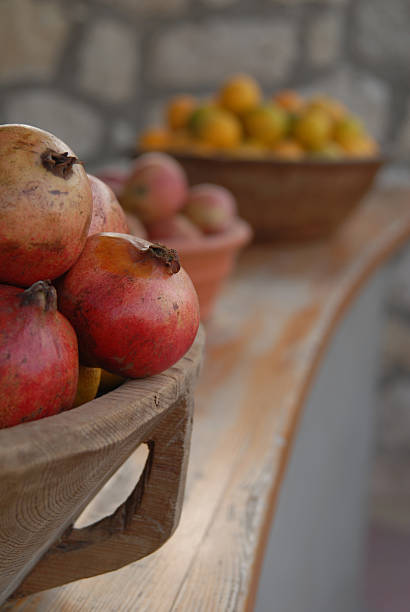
(108, 216)
(211, 207)
(114, 178)
(134, 309)
(45, 205)
(177, 227)
(135, 226)
(38, 355)
(156, 188)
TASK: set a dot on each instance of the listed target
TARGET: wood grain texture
(269, 333)
(51, 469)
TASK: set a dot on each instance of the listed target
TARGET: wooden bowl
(288, 200)
(209, 260)
(51, 469)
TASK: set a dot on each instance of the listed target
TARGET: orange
(202, 149)
(289, 100)
(240, 94)
(180, 140)
(266, 124)
(154, 139)
(216, 127)
(335, 109)
(330, 151)
(313, 128)
(360, 146)
(249, 149)
(288, 149)
(179, 110)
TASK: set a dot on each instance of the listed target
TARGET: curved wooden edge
(237, 235)
(104, 420)
(376, 254)
(139, 526)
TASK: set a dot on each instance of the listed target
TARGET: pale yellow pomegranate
(45, 205)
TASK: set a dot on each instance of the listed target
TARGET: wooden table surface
(269, 332)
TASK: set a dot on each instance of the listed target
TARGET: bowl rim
(225, 159)
(236, 235)
(139, 402)
(271, 161)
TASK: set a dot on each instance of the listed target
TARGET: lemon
(87, 387)
(348, 129)
(198, 117)
(266, 124)
(109, 381)
(313, 128)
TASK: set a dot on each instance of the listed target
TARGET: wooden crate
(51, 469)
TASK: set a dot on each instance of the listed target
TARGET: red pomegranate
(156, 188)
(212, 208)
(38, 355)
(134, 309)
(114, 178)
(45, 205)
(177, 227)
(108, 216)
(135, 226)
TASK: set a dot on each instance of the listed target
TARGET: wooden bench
(276, 490)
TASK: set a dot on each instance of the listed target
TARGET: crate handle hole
(116, 490)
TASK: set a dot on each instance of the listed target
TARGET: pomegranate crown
(41, 294)
(60, 164)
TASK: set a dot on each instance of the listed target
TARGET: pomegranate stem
(60, 164)
(41, 294)
(169, 257)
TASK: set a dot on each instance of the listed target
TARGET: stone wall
(95, 72)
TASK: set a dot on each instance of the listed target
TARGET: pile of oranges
(239, 122)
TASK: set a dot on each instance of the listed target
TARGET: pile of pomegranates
(156, 193)
(77, 290)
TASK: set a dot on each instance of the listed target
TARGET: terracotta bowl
(285, 200)
(210, 259)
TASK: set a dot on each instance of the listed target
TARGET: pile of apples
(78, 292)
(239, 122)
(158, 201)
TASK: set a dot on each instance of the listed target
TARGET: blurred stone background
(94, 72)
